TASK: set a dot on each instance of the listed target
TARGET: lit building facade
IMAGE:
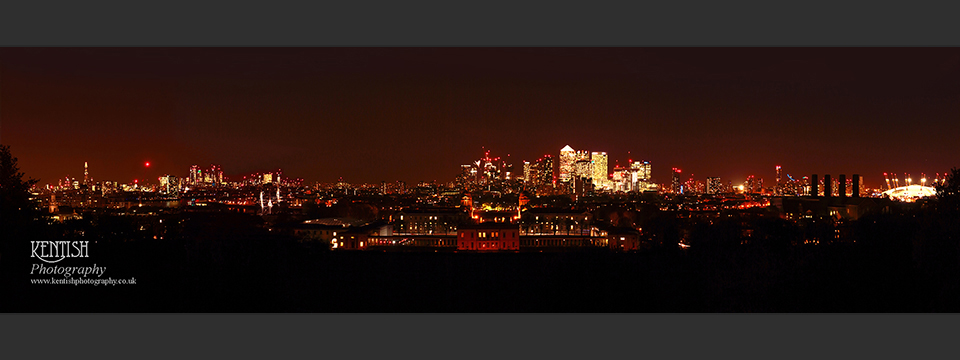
(488, 237)
(543, 174)
(675, 185)
(598, 161)
(714, 185)
(583, 169)
(195, 176)
(169, 184)
(640, 172)
(753, 185)
(568, 157)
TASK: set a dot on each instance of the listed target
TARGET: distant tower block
(777, 189)
(814, 185)
(842, 185)
(827, 186)
(856, 185)
(85, 178)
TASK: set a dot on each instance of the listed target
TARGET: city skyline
(520, 172)
(373, 114)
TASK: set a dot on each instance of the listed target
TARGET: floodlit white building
(910, 193)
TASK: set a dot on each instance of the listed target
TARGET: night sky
(417, 114)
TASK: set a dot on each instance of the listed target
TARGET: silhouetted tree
(17, 227)
(17, 211)
(937, 245)
(948, 193)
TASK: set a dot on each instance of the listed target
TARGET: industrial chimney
(814, 186)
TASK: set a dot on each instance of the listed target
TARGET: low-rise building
(490, 236)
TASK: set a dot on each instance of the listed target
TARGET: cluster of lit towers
(580, 171)
(577, 171)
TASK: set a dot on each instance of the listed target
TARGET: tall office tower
(169, 184)
(753, 184)
(489, 171)
(621, 179)
(474, 176)
(215, 175)
(645, 170)
(675, 185)
(467, 175)
(86, 179)
(714, 185)
(583, 169)
(542, 171)
(526, 171)
(195, 175)
(814, 186)
(568, 157)
(583, 155)
(827, 186)
(599, 160)
(779, 189)
(639, 175)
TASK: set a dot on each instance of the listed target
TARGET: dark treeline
(224, 262)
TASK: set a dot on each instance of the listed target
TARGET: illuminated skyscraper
(621, 179)
(583, 169)
(714, 185)
(779, 187)
(86, 179)
(195, 175)
(599, 163)
(753, 185)
(542, 173)
(675, 184)
(639, 175)
(646, 172)
(527, 168)
(583, 155)
(214, 175)
(568, 157)
(169, 184)
(467, 175)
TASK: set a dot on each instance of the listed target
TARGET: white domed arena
(911, 192)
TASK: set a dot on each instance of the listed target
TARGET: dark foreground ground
(252, 276)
